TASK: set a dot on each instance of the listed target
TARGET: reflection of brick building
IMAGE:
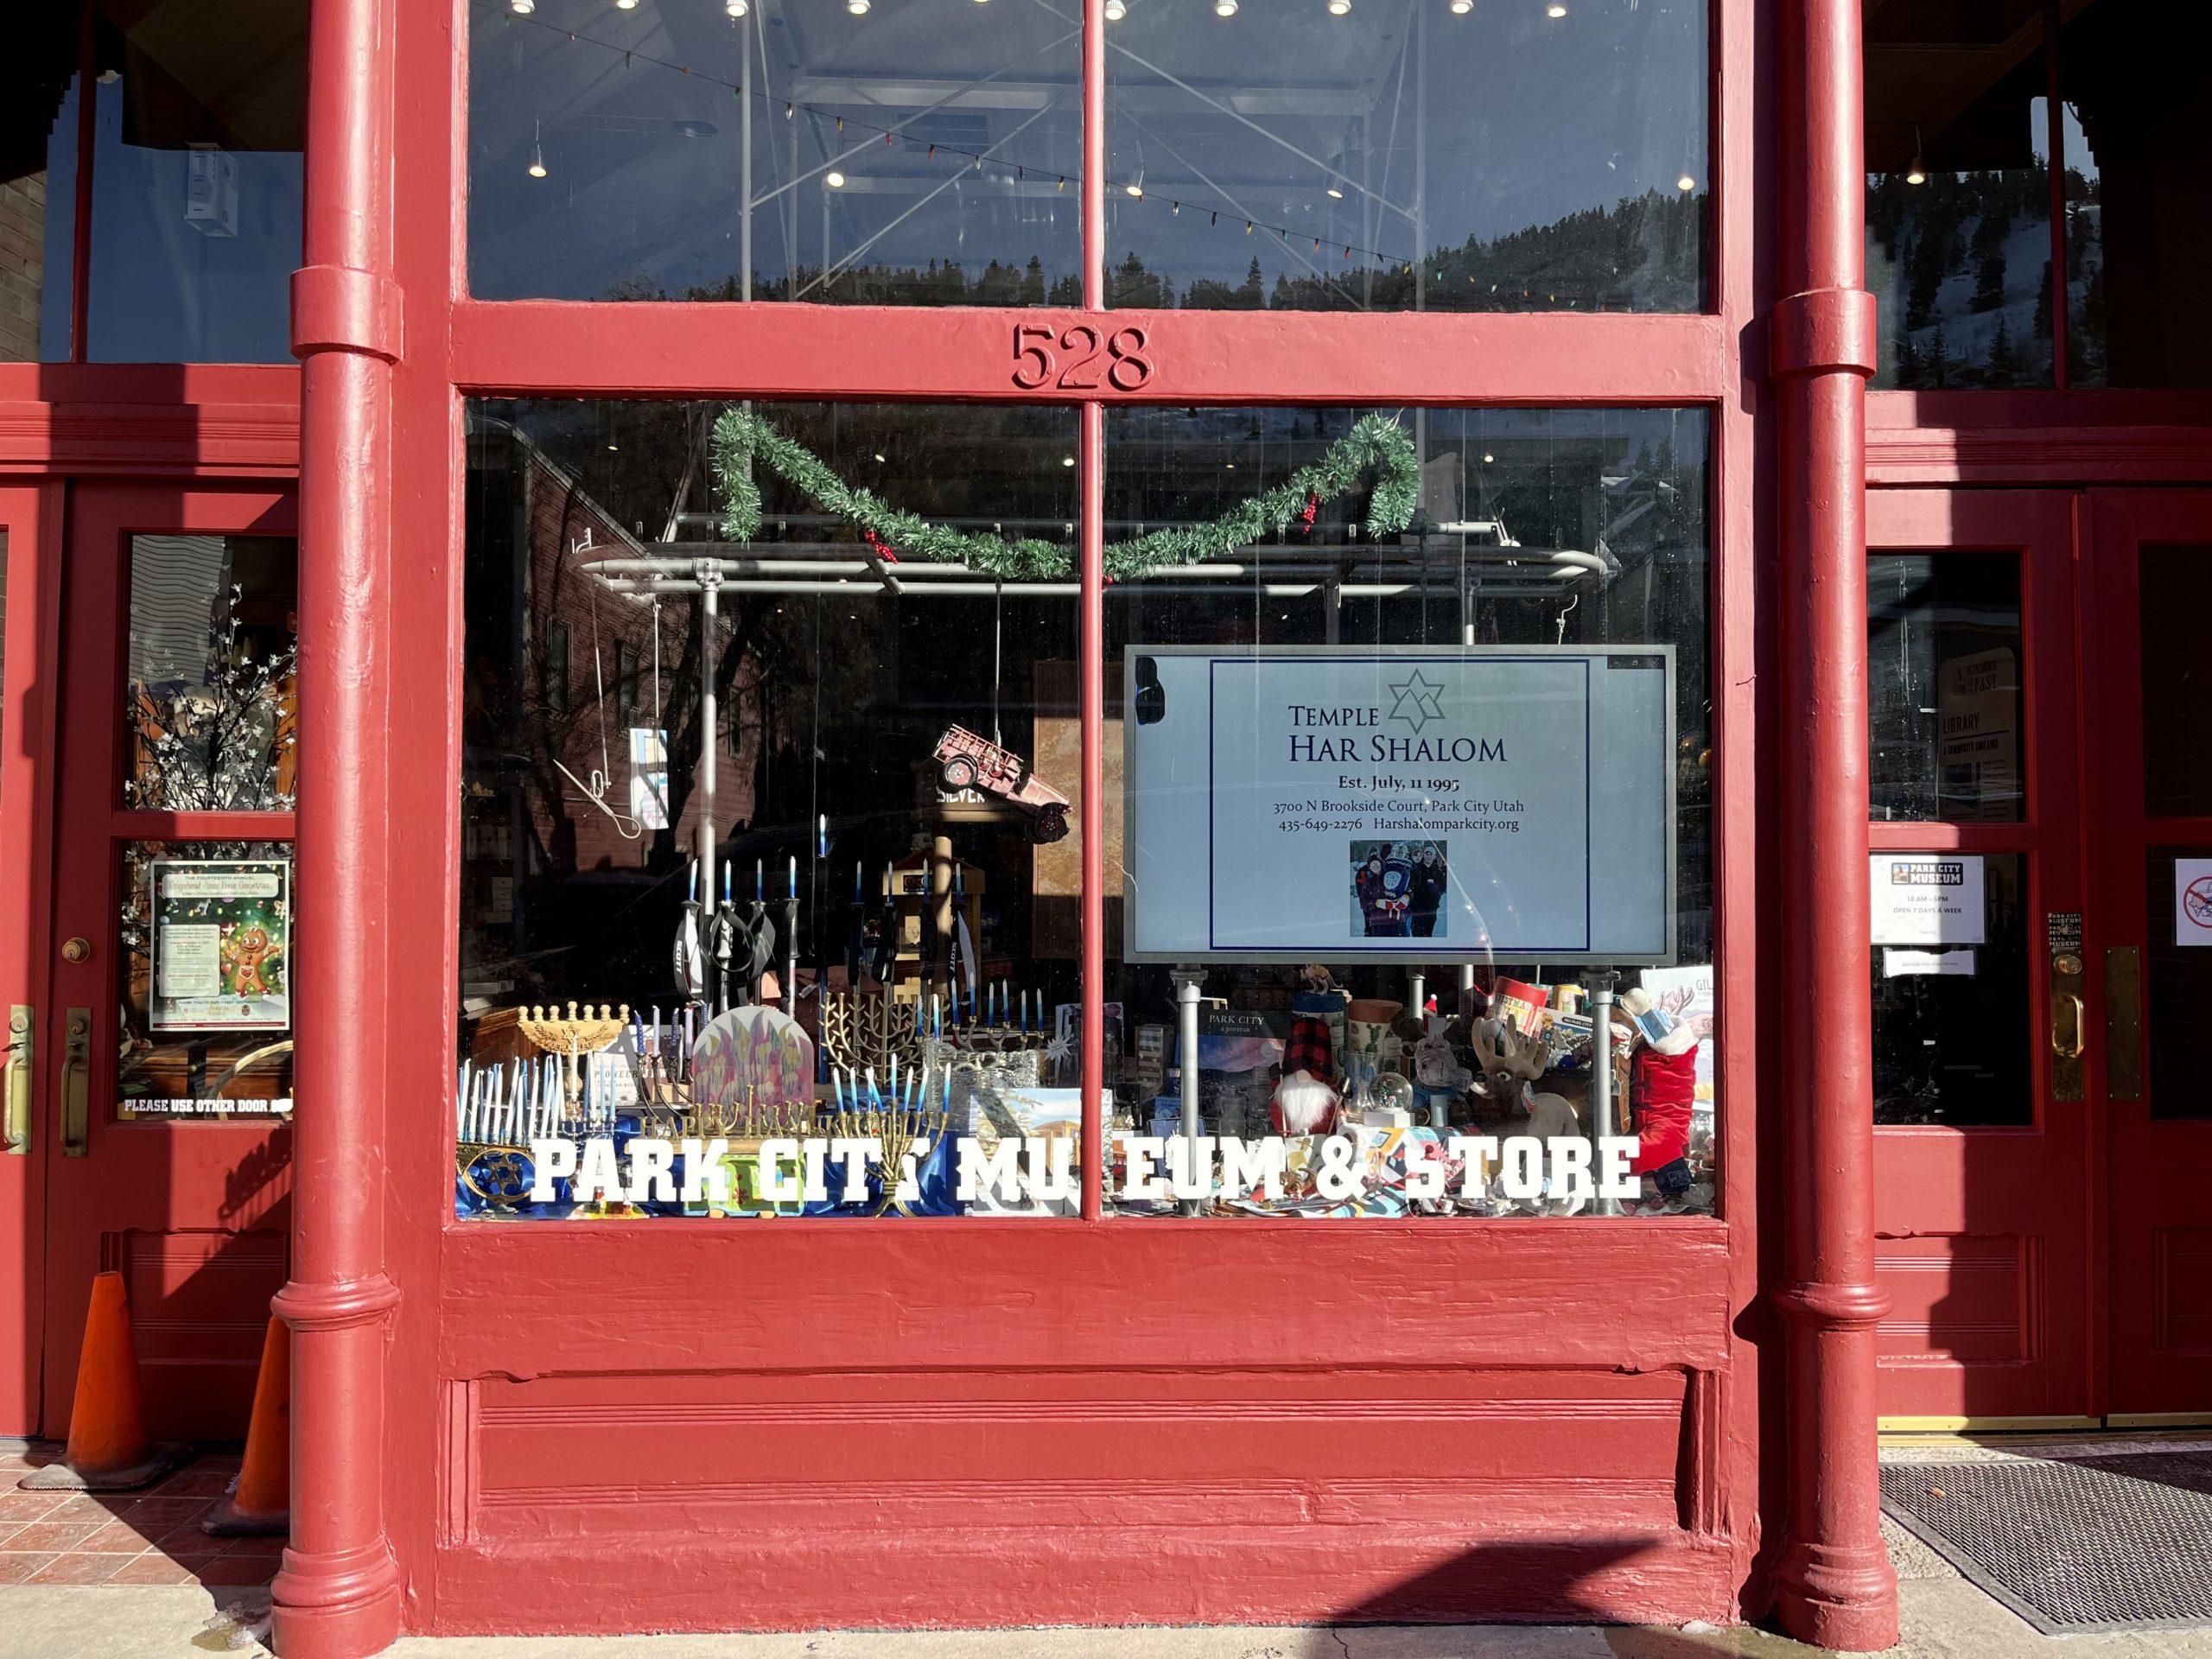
(580, 667)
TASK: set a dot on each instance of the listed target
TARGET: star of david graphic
(1418, 703)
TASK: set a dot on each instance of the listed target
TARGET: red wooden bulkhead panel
(197, 1297)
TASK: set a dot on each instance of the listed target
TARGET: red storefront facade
(618, 1423)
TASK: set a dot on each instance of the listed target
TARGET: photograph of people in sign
(1398, 888)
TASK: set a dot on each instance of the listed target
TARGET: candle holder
(860, 1032)
(898, 1131)
(573, 1036)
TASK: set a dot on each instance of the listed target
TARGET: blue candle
(729, 867)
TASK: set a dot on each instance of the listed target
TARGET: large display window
(1381, 157)
(772, 875)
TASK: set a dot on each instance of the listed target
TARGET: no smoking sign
(2193, 902)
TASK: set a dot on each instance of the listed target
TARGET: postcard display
(1482, 810)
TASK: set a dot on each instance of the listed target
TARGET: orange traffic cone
(259, 1506)
(108, 1448)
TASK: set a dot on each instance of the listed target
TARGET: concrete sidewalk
(1945, 1617)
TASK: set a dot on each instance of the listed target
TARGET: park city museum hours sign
(1295, 804)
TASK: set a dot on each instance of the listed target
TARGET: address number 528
(1069, 358)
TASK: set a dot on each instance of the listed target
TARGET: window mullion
(1094, 156)
(1091, 678)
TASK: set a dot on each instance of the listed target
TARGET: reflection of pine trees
(1924, 274)
(1132, 285)
(933, 284)
(1989, 234)
(1933, 237)
(2003, 365)
(1644, 253)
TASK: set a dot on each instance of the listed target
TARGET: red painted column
(1836, 1586)
(337, 1594)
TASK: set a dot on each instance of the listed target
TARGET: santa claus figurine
(1662, 1087)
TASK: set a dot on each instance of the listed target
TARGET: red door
(30, 526)
(168, 1069)
(1982, 1111)
(2148, 587)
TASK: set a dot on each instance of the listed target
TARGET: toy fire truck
(967, 761)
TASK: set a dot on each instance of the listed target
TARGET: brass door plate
(2123, 1022)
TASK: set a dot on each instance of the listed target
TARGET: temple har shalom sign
(1537, 783)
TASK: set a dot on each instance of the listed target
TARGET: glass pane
(209, 697)
(907, 152)
(897, 774)
(2178, 973)
(38, 183)
(1340, 157)
(1945, 713)
(201, 117)
(1951, 1023)
(2139, 191)
(2175, 587)
(1958, 193)
(207, 947)
(1409, 733)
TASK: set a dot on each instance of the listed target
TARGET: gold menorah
(753, 1120)
(896, 1130)
(860, 1032)
(574, 1035)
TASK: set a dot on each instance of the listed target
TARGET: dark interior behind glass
(1945, 709)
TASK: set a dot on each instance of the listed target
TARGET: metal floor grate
(2087, 1544)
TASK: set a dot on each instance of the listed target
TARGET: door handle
(2059, 1045)
(2069, 1073)
(20, 1018)
(77, 1084)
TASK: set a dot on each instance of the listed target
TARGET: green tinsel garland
(1376, 444)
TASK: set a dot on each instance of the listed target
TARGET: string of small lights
(1131, 189)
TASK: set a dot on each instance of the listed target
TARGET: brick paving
(147, 1537)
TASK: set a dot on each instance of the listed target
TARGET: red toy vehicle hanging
(967, 761)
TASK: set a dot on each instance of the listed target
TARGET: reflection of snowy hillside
(2085, 282)
(1961, 268)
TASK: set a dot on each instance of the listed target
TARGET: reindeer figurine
(1508, 1076)
(1510, 1072)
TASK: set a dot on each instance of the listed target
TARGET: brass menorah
(573, 1035)
(755, 1119)
(860, 1032)
(897, 1131)
(973, 1039)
